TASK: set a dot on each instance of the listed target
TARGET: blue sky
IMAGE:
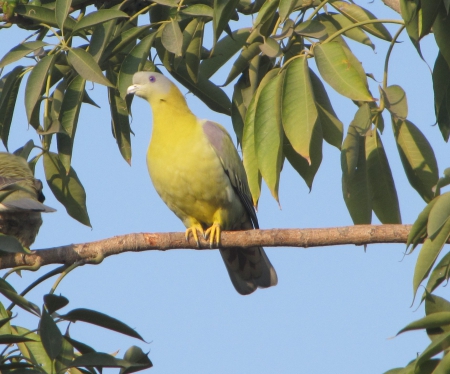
(334, 308)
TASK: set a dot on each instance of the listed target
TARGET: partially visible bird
(21, 199)
(198, 173)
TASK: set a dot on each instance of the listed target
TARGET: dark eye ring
(152, 78)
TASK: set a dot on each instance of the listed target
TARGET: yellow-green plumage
(196, 170)
(20, 199)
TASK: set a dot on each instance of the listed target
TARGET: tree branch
(94, 252)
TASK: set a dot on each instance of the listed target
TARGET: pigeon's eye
(152, 78)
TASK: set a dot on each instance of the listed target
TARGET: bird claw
(214, 234)
(193, 230)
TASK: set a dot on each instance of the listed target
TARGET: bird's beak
(132, 89)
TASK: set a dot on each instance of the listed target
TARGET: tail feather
(249, 268)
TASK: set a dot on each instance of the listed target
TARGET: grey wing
(223, 146)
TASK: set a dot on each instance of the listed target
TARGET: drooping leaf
(99, 17)
(43, 15)
(417, 157)
(172, 37)
(66, 187)
(431, 321)
(199, 10)
(428, 254)
(441, 88)
(299, 112)
(433, 349)
(269, 133)
(69, 113)
(10, 293)
(440, 273)
(358, 14)
(34, 350)
(222, 13)
(395, 101)
(102, 320)
(86, 66)
(61, 11)
(355, 33)
(243, 61)
(312, 29)
(384, 195)
(224, 49)
(193, 51)
(54, 302)
(419, 228)
(355, 187)
(332, 127)
(337, 71)
(8, 99)
(429, 11)
(441, 30)
(65, 357)
(20, 51)
(285, 8)
(439, 214)
(266, 12)
(35, 84)
(410, 13)
(51, 337)
(10, 244)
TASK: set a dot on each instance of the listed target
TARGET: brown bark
(94, 252)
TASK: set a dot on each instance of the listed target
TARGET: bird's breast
(189, 176)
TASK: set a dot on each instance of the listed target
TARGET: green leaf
(428, 254)
(266, 12)
(410, 14)
(54, 302)
(429, 11)
(193, 51)
(356, 33)
(225, 48)
(441, 88)
(355, 188)
(419, 228)
(102, 320)
(62, 8)
(20, 51)
(33, 350)
(439, 274)
(198, 10)
(51, 337)
(362, 119)
(332, 127)
(298, 109)
(444, 365)
(441, 30)
(439, 214)
(10, 244)
(384, 195)
(135, 355)
(134, 62)
(99, 17)
(101, 35)
(8, 100)
(43, 15)
(25, 151)
(223, 11)
(66, 187)
(431, 321)
(66, 356)
(98, 359)
(312, 29)
(85, 65)
(70, 110)
(336, 69)
(307, 171)
(36, 83)
(172, 37)
(239, 107)
(13, 339)
(417, 157)
(80, 347)
(10, 293)
(395, 101)
(356, 14)
(271, 48)
(269, 133)
(249, 158)
(242, 62)
(120, 121)
(433, 349)
(285, 8)
(125, 39)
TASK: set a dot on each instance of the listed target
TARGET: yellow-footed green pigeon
(198, 173)
(21, 199)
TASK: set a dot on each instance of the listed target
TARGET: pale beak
(132, 89)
